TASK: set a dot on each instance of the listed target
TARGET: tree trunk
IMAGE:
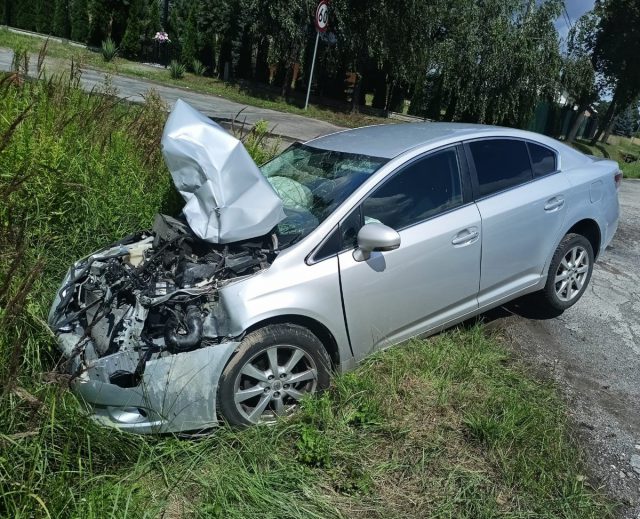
(573, 131)
(262, 66)
(608, 117)
(451, 108)
(608, 131)
(380, 90)
(355, 96)
(286, 84)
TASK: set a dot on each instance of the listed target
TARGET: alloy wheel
(572, 273)
(272, 382)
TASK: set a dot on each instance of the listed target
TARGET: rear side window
(542, 159)
(425, 188)
(500, 164)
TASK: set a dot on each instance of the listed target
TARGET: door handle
(554, 203)
(465, 236)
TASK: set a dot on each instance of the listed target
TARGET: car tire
(569, 273)
(249, 390)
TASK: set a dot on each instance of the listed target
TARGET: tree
(154, 17)
(627, 122)
(213, 23)
(615, 43)
(492, 62)
(578, 75)
(61, 22)
(184, 30)
(79, 14)
(358, 25)
(287, 24)
(100, 20)
(137, 29)
(23, 14)
(43, 10)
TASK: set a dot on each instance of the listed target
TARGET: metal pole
(313, 62)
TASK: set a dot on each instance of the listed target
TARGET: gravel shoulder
(592, 352)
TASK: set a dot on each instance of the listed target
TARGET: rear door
(433, 276)
(522, 202)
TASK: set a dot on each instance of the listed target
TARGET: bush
(198, 67)
(256, 140)
(176, 70)
(109, 50)
(631, 169)
(20, 60)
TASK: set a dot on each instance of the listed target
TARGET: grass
(617, 150)
(198, 83)
(442, 428)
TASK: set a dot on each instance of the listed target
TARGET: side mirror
(375, 237)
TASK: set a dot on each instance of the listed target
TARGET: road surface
(290, 127)
(592, 351)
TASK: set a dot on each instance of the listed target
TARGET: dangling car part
(336, 248)
(228, 198)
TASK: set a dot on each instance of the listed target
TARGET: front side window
(425, 188)
(500, 164)
(312, 183)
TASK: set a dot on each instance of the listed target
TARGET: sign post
(321, 22)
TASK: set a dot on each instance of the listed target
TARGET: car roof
(390, 140)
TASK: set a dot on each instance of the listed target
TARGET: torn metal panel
(228, 198)
(176, 393)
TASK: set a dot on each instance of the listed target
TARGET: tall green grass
(616, 152)
(76, 171)
(442, 428)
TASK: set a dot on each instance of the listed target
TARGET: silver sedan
(384, 233)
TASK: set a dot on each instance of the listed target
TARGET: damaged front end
(143, 329)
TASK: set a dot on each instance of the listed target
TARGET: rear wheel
(569, 272)
(273, 368)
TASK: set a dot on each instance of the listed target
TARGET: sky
(575, 9)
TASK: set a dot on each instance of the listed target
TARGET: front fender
(311, 291)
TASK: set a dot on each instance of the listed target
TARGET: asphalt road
(288, 126)
(592, 351)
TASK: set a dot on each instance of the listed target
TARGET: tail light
(618, 179)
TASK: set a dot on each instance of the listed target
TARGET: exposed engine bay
(151, 295)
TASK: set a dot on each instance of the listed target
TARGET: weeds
(198, 68)
(256, 140)
(109, 50)
(20, 60)
(176, 70)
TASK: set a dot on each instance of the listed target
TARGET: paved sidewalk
(290, 127)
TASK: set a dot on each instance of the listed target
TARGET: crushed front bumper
(177, 393)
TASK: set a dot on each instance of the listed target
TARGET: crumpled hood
(227, 197)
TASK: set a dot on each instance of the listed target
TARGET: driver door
(434, 276)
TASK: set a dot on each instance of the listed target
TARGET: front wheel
(273, 368)
(569, 272)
